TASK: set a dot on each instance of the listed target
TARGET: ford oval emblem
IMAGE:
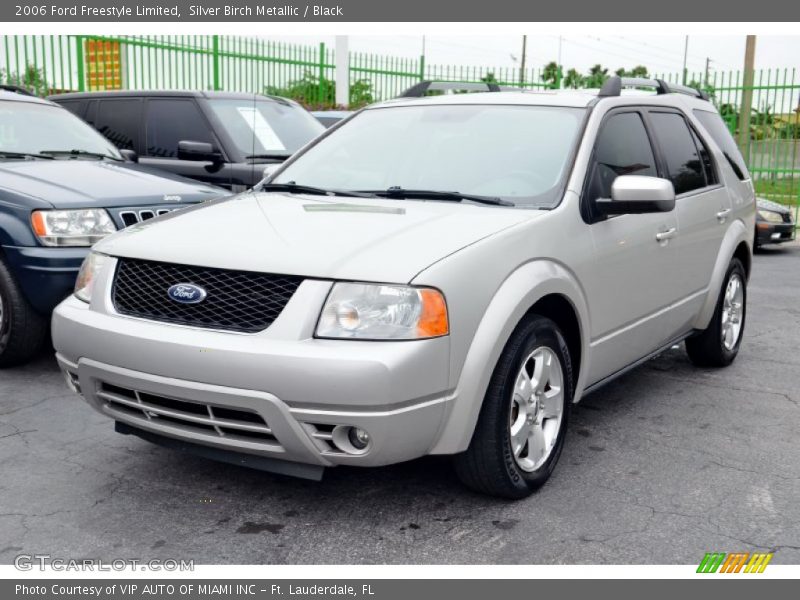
(186, 293)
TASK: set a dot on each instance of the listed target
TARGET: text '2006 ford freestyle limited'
(437, 275)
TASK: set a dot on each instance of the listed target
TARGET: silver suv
(436, 275)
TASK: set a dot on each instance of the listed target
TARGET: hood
(98, 183)
(765, 204)
(332, 238)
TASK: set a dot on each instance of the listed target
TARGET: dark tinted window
(622, 148)
(73, 106)
(719, 132)
(170, 121)
(684, 167)
(705, 157)
(118, 120)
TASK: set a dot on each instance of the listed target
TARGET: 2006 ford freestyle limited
(437, 275)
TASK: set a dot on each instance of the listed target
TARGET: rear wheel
(719, 343)
(22, 329)
(522, 424)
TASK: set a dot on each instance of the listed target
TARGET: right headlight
(90, 268)
(383, 312)
(770, 216)
(73, 228)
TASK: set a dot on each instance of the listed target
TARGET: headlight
(86, 276)
(71, 227)
(770, 216)
(383, 312)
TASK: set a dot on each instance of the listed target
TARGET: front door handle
(668, 234)
(723, 214)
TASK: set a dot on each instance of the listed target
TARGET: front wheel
(719, 343)
(523, 420)
(22, 329)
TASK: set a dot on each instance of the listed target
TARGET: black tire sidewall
(735, 267)
(6, 319)
(535, 333)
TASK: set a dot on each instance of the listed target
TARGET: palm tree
(573, 79)
(551, 74)
(597, 77)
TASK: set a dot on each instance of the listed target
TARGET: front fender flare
(518, 293)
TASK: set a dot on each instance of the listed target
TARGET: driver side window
(622, 148)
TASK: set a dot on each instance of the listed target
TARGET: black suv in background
(218, 137)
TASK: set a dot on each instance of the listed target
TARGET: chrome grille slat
(215, 422)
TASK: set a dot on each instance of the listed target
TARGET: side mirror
(636, 194)
(129, 155)
(200, 151)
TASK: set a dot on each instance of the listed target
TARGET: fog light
(358, 437)
(776, 236)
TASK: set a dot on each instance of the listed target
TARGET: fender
(521, 290)
(735, 235)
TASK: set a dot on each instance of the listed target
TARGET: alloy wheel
(732, 312)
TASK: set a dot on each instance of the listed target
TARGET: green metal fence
(769, 135)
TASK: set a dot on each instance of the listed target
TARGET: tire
(496, 463)
(718, 344)
(22, 329)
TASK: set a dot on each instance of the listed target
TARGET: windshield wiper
(398, 192)
(296, 188)
(78, 152)
(11, 154)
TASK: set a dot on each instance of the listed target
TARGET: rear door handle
(723, 214)
(667, 234)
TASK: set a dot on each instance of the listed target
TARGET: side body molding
(518, 293)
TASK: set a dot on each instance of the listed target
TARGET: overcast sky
(661, 54)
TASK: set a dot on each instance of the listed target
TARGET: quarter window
(622, 148)
(685, 168)
(720, 134)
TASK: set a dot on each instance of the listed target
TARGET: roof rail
(613, 87)
(420, 89)
(16, 89)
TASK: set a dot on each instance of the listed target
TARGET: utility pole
(522, 63)
(708, 65)
(747, 94)
(685, 56)
(342, 71)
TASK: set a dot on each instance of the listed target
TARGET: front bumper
(774, 233)
(299, 387)
(46, 275)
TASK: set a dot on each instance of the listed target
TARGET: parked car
(330, 117)
(221, 138)
(63, 187)
(774, 223)
(439, 275)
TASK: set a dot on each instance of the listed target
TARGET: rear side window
(722, 137)
(173, 120)
(622, 148)
(705, 157)
(118, 120)
(684, 166)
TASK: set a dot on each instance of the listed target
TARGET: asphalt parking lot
(665, 464)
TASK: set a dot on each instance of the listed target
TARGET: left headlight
(770, 216)
(91, 266)
(71, 227)
(383, 312)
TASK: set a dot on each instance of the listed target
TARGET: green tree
(573, 79)
(32, 79)
(551, 74)
(597, 77)
(314, 92)
(637, 71)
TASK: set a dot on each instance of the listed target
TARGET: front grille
(190, 417)
(235, 300)
(132, 217)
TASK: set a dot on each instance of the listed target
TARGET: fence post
(321, 90)
(215, 58)
(79, 58)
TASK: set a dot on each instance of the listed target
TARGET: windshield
(271, 127)
(29, 128)
(518, 153)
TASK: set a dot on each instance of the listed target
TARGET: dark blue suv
(63, 187)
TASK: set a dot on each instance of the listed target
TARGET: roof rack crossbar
(613, 87)
(423, 87)
(16, 89)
